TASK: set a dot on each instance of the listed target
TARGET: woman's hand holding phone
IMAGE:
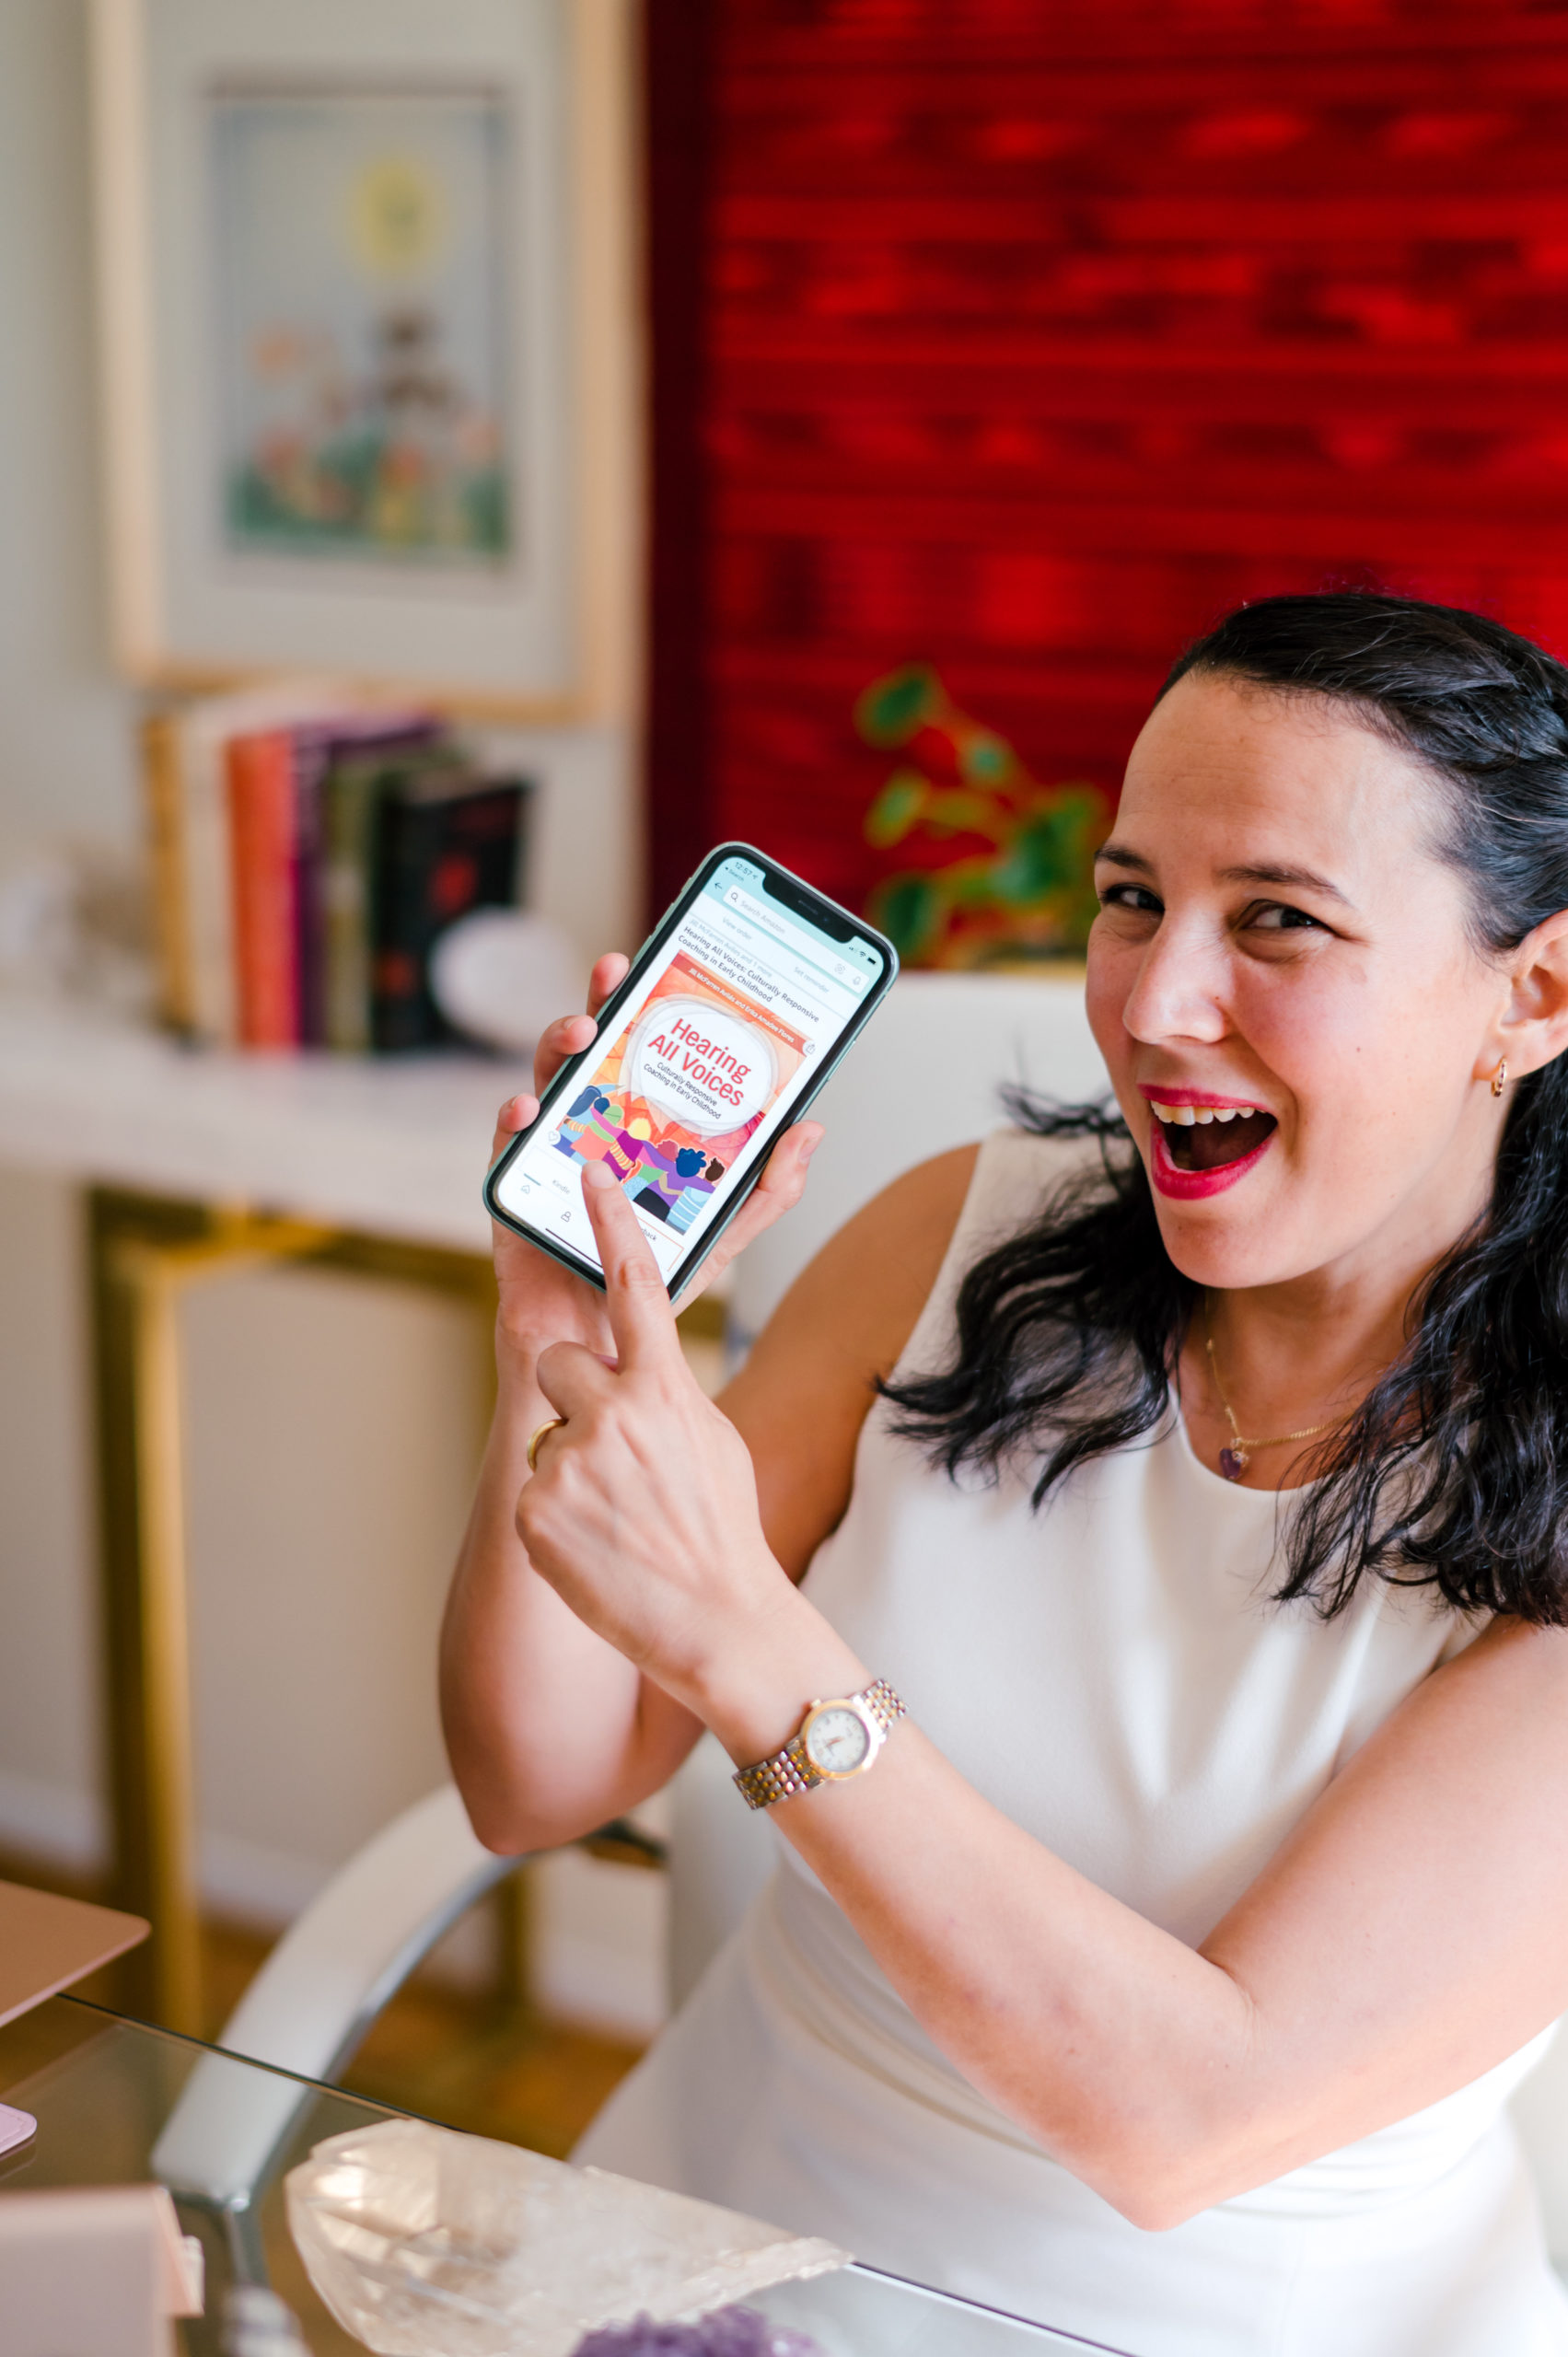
(549, 1724)
(541, 1300)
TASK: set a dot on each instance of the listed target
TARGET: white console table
(390, 1148)
(195, 1164)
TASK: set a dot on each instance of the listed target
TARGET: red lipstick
(1187, 1186)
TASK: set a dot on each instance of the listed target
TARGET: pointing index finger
(642, 1316)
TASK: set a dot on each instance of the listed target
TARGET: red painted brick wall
(1027, 339)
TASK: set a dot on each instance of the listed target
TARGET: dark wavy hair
(1452, 1475)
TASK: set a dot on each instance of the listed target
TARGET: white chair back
(928, 1075)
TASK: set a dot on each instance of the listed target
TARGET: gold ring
(551, 1423)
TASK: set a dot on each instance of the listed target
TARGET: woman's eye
(1130, 896)
(1273, 916)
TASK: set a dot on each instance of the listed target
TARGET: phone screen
(700, 1067)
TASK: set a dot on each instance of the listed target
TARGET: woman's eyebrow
(1303, 878)
(1306, 878)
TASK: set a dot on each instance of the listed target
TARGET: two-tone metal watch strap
(881, 1701)
(789, 1771)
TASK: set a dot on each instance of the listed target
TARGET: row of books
(307, 852)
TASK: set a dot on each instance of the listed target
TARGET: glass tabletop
(106, 2095)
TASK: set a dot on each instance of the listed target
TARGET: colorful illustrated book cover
(681, 1091)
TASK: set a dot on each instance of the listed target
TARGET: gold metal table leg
(145, 1252)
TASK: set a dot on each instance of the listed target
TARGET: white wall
(333, 1430)
(65, 741)
(66, 736)
(332, 1423)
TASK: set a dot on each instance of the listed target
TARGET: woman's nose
(1180, 990)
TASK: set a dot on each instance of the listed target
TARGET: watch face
(837, 1740)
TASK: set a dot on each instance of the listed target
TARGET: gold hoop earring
(1499, 1077)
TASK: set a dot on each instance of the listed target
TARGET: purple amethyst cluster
(728, 2332)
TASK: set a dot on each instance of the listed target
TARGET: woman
(1196, 1479)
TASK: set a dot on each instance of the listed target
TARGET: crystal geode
(423, 2243)
(728, 2332)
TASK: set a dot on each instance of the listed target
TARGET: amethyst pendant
(1233, 1463)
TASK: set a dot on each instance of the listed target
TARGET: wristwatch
(835, 1740)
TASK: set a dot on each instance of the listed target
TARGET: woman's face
(1281, 961)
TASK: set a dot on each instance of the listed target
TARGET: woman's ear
(1534, 1027)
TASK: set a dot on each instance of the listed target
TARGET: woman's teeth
(1186, 1115)
(1193, 1142)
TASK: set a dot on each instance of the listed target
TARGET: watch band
(789, 1770)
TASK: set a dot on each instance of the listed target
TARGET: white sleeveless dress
(1110, 1672)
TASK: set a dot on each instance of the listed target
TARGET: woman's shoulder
(981, 1194)
(1015, 1174)
(1008, 1180)
(1003, 1181)
(908, 1248)
(805, 1390)
(863, 1293)
(858, 1310)
(860, 1301)
(876, 1272)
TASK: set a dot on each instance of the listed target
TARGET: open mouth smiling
(1200, 1145)
(1199, 1135)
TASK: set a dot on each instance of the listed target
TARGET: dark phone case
(610, 1014)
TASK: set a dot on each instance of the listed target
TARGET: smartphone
(17, 2128)
(736, 1010)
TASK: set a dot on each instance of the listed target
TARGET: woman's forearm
(1125, 2053)
(1114, 2043)
(549, 1730)
(1393, 1949)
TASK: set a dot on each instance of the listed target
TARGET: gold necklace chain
(1234, 1460)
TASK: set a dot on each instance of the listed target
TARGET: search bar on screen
(788, 936)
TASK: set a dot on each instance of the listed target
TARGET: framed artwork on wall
(369, 351)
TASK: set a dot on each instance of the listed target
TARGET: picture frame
(369, 347)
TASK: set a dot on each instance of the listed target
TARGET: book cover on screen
(681, 1091)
